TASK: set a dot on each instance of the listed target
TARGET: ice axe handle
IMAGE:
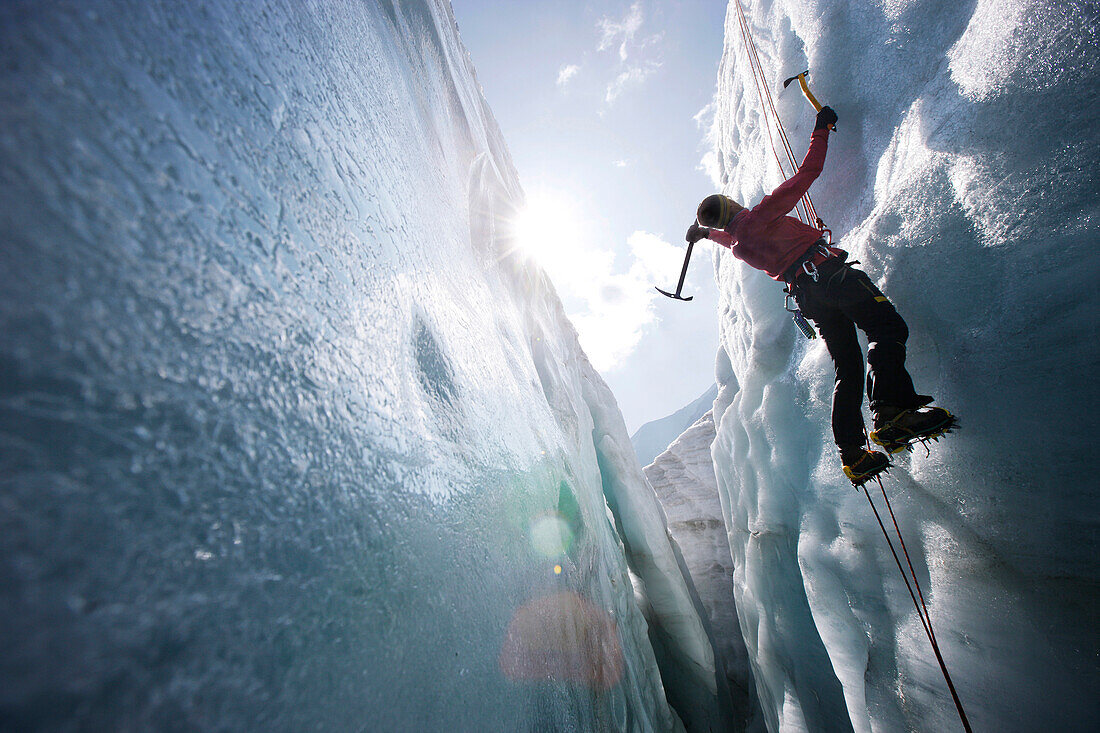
(683, 274)
(806, 91)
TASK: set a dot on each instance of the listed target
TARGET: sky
(605, 108)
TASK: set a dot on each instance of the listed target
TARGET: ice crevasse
(291, 436)
(963, 176)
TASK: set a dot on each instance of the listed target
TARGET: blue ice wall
(963, 176)
(289, 437)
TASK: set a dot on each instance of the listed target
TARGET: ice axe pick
(683, 274)
(806, 90)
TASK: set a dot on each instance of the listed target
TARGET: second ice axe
(806, 90)
(683, 274)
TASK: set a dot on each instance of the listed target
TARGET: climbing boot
(861, 465)
(896, 429)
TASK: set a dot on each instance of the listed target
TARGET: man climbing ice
(838, 297)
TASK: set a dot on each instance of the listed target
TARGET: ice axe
(683, 274)
(806, 90)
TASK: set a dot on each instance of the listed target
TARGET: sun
(548, 230)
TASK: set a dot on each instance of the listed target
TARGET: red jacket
(764, 236)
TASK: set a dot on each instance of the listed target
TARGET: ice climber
(838, 297)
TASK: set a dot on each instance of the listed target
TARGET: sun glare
(607, 296)
(547, 230)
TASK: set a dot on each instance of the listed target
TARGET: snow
(292, 437)
(963, 177)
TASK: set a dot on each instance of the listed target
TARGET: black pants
(842, 299)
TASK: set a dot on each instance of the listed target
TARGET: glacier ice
(683, 477)
(290, 437)
(963, 176)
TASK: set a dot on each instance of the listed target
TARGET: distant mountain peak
(655, 436)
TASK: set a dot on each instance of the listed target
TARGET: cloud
(609, 297)
(621, 32)
(634, 49)
(632, 77)
(619, 306)
(704, 118)
(710, 164)
(653, 256)
(711, 167)
(566, 73)
(621, 163)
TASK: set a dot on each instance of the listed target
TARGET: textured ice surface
(964, 177)
(290, 439)
(683, 477)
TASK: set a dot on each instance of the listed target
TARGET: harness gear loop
(796, 313)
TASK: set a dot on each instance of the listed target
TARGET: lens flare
(565, 638)
(550, 535)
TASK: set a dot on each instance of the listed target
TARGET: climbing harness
(803, 265)
(806, 263)
(796, 314)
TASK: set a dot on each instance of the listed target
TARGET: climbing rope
(921, 607)
(808, 215)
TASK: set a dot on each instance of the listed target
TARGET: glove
(695, 233)
(825, 118)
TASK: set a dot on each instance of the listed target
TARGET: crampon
(922, 426)
(864, 466)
